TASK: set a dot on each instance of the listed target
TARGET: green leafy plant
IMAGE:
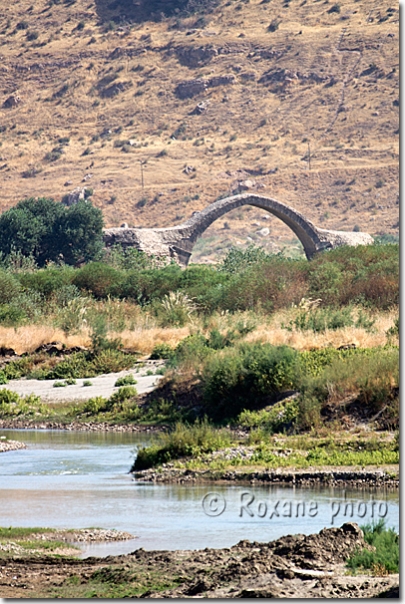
(126, 380)
(383, 557)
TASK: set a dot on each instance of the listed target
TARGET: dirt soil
(295, 566)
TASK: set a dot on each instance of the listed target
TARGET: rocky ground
(332, 476)
(10, 445)
(295, 566)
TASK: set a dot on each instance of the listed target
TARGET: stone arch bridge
(177, 242)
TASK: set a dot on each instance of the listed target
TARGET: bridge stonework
(177, 242)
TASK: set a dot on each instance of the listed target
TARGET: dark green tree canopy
(49, 231)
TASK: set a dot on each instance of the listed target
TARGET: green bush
(99, 279)
(192, 349)
(370, 376)
(123, 394)
(161, 351)
(126, 380)
(384, 558)
(95, 405)
(244, 377)
(279, 417)
(183, 440)
(48, 281)
(48, 231)
(10, 287)
(11, 316)
(14, 405)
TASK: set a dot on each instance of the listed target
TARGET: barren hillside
(160, 114)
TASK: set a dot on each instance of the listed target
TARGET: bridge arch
(177, 242)
(195, 226)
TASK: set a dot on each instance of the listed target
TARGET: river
(80, 479)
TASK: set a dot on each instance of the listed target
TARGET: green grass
(183, 440)
(384, 558)
(295, 452)
(21, 532)
(114, 582)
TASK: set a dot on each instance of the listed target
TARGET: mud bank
(296, 566)
(304, 478)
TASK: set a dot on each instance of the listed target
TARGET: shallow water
(78, 479)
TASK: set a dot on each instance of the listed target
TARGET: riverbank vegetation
(261, 343)
(344, 289)
(382, 558)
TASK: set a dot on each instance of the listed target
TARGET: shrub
(151, 284)
(32, 35)
(161, 351)
(183, 440)
(370, 376)
(9, 287)
(273, 25)
(95, 405)
(319, 320)
(124, 393)
(47, 281)
(192, 349)
(98, 278)
(384, 557)
(11, 316)
(126, 380)
(279, 417)
(176, 309)
(335, 8)
(13, 405)
(245, 377)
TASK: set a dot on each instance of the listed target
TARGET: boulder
(12, 101)
(189, 88)
(74, 196)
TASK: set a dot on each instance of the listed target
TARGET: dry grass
(145, 334)
(247, 126)
(29, 337)
(306, 340)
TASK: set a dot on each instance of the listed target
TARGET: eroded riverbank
(294, 566)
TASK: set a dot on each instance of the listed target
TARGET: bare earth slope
(85, 99)
(295, 566)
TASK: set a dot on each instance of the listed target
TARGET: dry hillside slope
(234, 97)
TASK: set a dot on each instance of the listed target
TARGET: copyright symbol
(213, 504)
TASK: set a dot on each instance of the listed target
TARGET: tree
(47, 231)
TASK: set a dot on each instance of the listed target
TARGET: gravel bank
(10, 445)
(27, 424)
(102, 385)
(304, 478)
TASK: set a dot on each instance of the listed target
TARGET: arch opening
(192, 230)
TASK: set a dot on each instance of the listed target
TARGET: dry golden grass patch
(29, 337)
(143, 340)
(272, 332)
(145, 334)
